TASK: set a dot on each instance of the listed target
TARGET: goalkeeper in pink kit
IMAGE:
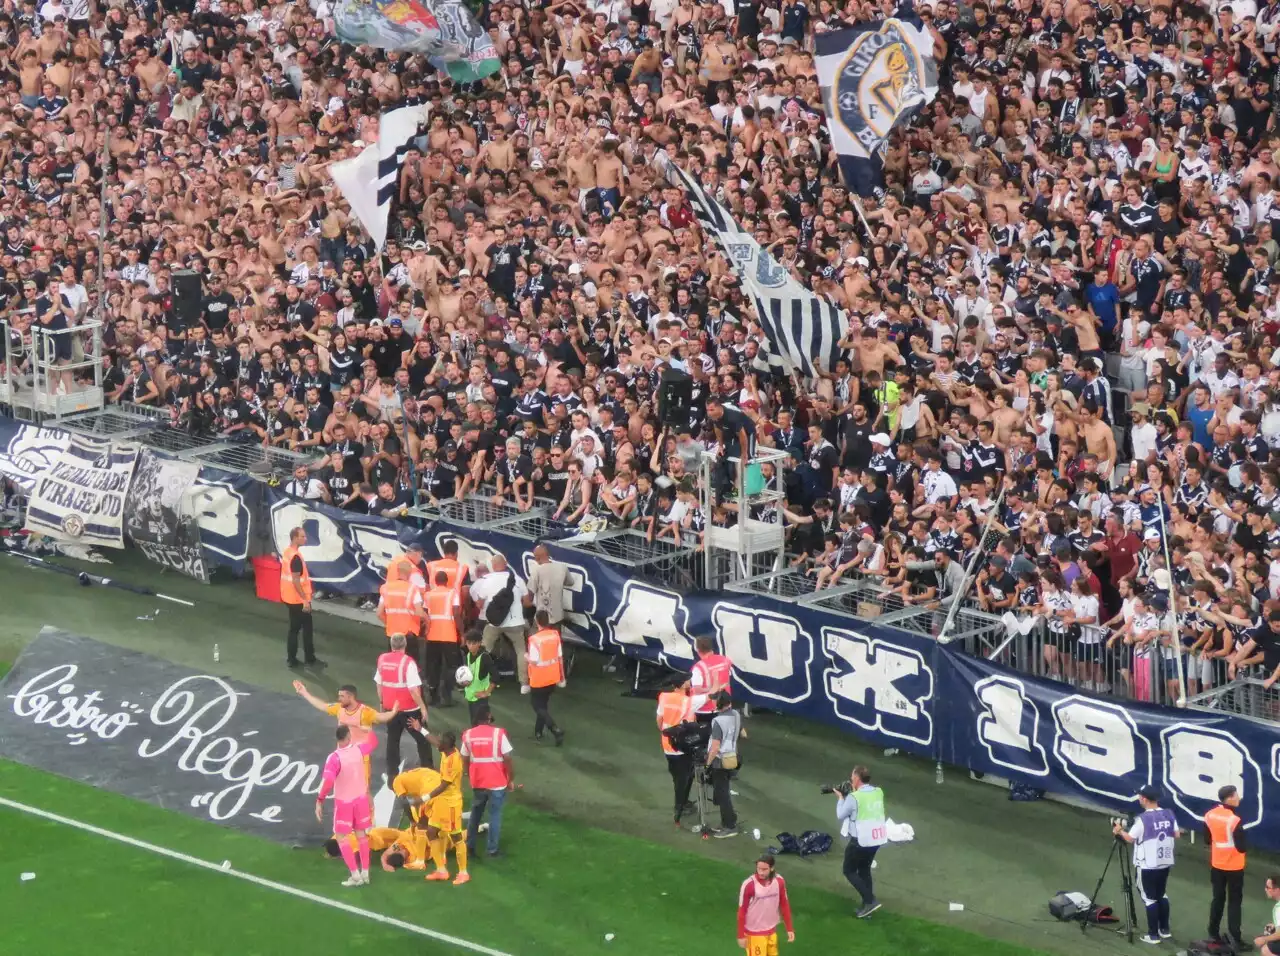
(344, 774)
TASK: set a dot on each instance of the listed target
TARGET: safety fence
(884, 677)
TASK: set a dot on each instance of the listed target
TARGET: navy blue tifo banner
(223, 502)
(885, 686)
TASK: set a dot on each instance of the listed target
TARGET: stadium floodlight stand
(752, 545)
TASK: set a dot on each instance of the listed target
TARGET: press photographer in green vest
(478, 662)
(860, 810)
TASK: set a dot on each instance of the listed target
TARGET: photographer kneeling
(722, 760)
(860, 810)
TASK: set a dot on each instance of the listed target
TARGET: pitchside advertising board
(885, 686)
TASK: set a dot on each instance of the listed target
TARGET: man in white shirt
(306, 487)
(1143, 433)
(511, 626)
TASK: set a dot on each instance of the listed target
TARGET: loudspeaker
(187, 295)
(675, 398)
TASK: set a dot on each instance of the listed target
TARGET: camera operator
(860, 810)
(674, 709)
(1152, 836)
(722, 760)
(1226, 865)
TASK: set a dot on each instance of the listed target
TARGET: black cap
(1151, 792)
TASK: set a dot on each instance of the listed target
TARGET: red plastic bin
(266, 577)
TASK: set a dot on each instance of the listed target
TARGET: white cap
(860, 261)
(1151, 535)
(575, 268)
(880, 438)
(463, 272)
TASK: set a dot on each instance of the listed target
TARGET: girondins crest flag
(874, 76)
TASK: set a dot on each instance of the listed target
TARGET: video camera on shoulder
(689, 737)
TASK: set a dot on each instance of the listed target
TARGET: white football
(462, 676)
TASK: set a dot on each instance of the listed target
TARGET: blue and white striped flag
(368, 182)
(803, 329)
(874, 76)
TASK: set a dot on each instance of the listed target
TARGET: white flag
(368, 182)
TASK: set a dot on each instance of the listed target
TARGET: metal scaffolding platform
(50, 373)
(751, 545)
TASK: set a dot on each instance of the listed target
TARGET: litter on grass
(957, 907)
(28, 877)
(226, 864)
(608, 937)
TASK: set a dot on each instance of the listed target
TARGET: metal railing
(1092, 660)
(37, 384)
(1243, 697)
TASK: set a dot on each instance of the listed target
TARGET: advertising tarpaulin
(178, 738)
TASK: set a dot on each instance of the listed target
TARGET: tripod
(700, 784)
(1126, 889)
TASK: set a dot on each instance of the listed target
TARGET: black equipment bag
(499, 605)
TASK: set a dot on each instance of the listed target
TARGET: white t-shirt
(482, 592)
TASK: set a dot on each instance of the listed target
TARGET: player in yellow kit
(400, 848)
(444, 813)
(409, 847)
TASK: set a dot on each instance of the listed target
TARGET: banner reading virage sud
(81, 496)
(220, 503)
(886, 686)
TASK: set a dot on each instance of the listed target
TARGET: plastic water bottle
(937, 774)
(891, 751)
(215, 653)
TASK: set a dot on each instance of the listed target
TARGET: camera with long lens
(842, 788)
(690, 737)
(1124, 823)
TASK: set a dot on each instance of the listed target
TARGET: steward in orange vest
(400, 609)
(1226, 864)
(455, 570)
(296, 592)
(444, 626)
(546, 673)
(404, 566)
(675, 708)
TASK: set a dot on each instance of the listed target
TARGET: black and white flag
(874, 77)
(803, 329)
(368, 182)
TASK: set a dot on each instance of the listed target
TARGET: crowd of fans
(1061, 309)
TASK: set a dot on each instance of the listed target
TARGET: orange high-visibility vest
(401, 616)
(400, 568)
(674, 707)
(454, 572)
(442, 626)
(288, 593)
(1222, 822)
(546, 667)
